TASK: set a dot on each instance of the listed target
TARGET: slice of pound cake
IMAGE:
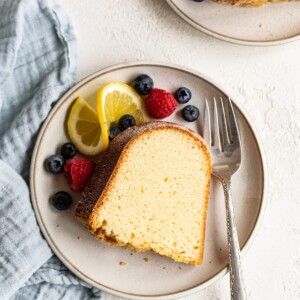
(249, 2)
(150, 191)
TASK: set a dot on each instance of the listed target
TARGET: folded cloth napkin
(38, 58)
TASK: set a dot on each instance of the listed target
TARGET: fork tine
(224, 125)
(216, 136)
(207, 124)
(235, 138)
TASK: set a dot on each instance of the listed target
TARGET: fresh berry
(183, 95)
(78, 171)
(126, 121)
(55, 164)
(143, 84)
(114, 131)
(68, 150)
(61, 200)
(190, 113)
(198, 0)
(160, 104)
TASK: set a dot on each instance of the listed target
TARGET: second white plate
(271, 24)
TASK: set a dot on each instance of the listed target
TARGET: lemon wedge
(84, 128)
(115, 100)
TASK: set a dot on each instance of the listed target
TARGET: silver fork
(225, 147)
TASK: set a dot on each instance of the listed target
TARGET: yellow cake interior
(157, 197)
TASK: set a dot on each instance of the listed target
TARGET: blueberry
(114, 131)
(143, 84)
(183, 95)
(198, 0)
(190, 113)
(55, 164)
(68, 150)
(126, 121)
(61, 200)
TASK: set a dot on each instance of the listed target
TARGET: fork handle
(237, 287)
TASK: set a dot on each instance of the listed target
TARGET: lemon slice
(115, 100)
(84, 128)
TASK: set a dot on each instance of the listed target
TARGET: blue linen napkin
(38, 60)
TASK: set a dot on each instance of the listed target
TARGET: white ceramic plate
(271, 24)
(162, 278)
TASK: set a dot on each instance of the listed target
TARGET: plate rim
(229, 39)
(60, 255)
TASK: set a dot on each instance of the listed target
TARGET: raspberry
(78, 171)
(160, 104)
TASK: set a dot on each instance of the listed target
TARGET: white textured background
(265, 81)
